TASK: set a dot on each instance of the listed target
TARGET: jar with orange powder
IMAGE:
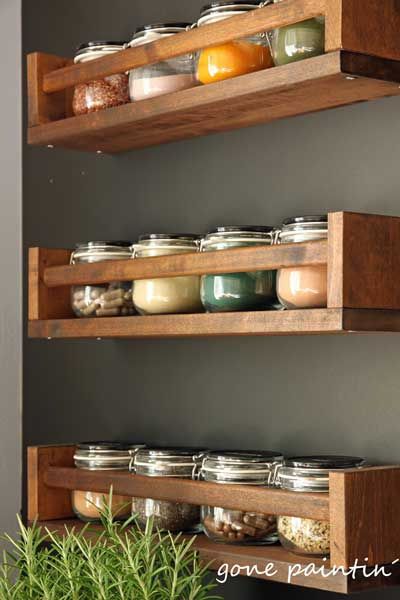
(233, 58)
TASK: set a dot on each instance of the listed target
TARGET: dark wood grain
(223, 261)
(250, 498)
(299, 88)
(45, 503)
(45, 303)
(364, 516)
(43, 108)
(259, 20)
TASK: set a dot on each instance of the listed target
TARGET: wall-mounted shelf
(361, 507)
(362, 254)
(362, 62)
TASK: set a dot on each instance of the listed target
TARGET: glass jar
(164, 77)
(303, 287)
(298, 41)
(167, 295)
(238, 291)
(99, 94)
(106, 299)
(102, 456)
(240, 468)
(182, 463)
(309, 474)
(237, 57)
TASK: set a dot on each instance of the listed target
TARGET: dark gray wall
(304, 394)
(10, 265)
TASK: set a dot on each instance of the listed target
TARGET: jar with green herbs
(298, 41)
(180, 463)
(309, 474)
(253, 290)
(240, 468)
(112, 299)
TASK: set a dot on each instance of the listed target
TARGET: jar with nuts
(309, 474)
(245, 468)
(108, 299)
(100, 94)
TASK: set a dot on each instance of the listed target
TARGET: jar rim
(305, 219)
(244, 456)
(239, 4)
(241, 229)
(103, 244)
(102, 446)
(172, 452)
(96, 44)
(324, 462)
(311, 473)
(179, 26)
(184, 237)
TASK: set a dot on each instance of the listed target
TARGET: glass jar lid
(97, 49)
(107, 456)
(181, 462)
(311, 473)
(222, 237)
(303, 229)
(235, 467)
(184, 242)
(89, 252)
(216, 11)
(149, 33)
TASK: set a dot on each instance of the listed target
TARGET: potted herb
(120, 563)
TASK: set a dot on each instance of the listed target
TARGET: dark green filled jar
(296, 42)
(232, 292)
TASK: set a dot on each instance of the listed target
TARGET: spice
(231, 60)
(104, 93)
(172, 516)
(298, 41)
(304, 536)
(88, 505)
(111, 301)
(235, 526)
(149, 87)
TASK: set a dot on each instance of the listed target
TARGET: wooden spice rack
(362, 507)
(362, 62)
(362, 254)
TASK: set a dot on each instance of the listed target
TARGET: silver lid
(251, 468)
(105, 456)
(182, 462)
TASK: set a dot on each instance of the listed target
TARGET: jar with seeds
(112, 299)
(240, 468)
(309, 474)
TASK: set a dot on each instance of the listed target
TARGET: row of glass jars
(291, 287)
(263, 469)
(215, 63)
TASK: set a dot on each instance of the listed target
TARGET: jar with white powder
(167, 295)
(164, 77)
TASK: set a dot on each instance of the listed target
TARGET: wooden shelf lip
(307, 86)
(256, 559)
(176, 265)
(301, 322)
(250, 498)
(259, 20)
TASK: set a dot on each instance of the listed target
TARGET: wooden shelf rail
(361, 63)
(361, 508)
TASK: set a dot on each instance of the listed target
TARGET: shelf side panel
(46, 503)
(364, 516)
(45, 303)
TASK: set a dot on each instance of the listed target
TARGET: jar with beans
(237, 57)
(240, 468)
(309, 474)
(102, 456)
(163, 77)
(102, 300)
(181, 463)
(167, 295)
(303, 287)
(254, 290)
(99, 94)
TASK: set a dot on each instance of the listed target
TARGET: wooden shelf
(361, 507)
(361, 63)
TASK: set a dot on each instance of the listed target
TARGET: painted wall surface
(295, 394)
(10, 265)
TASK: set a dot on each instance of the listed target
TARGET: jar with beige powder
(167, 295)
(102, 456)
(303, 287)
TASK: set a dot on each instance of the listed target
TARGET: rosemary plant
(122, 563)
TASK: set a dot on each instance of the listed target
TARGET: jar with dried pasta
(112, 299)
(229, 526)
(102, 456)
(238, 57)
(303, 286)
(309, 474)
(99, 94)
